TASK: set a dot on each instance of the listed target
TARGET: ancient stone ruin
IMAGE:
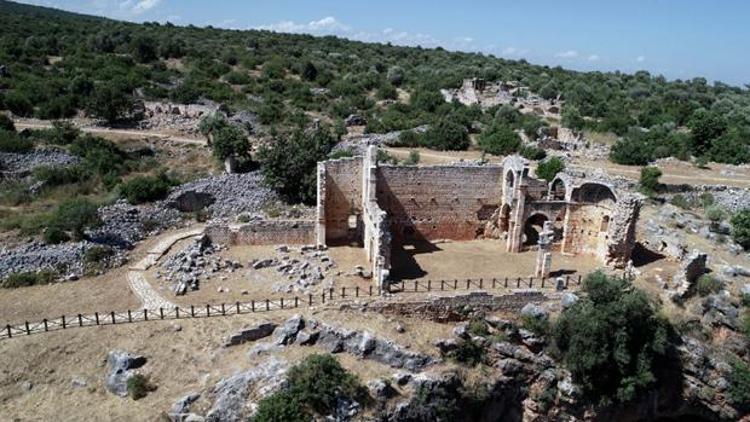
(361, 201)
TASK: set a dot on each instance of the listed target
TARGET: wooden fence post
(161, 313)
(177, 312)
(268, 304)
(96, 317)
(192, 311)
(130, 316)
(28, 330)
(252, 305)
(7, 327)
(223, 310)
(112, 314)
(282, 303)
(309, 299)
(80, 320)
(45, 324)
(63, 321)
(237, 305)
(208, 311)
(481, 283)
(296, 302)
(356, 291)
(145, 314)
(506, 283)
(429, 285)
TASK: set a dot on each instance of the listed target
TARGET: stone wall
(439, 202)
(264, 232)
(377, 235)
(343, 200)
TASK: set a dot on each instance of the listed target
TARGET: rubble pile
(21, 165)
(304, 268)
(199, 261)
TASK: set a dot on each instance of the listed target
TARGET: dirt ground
(477, 259)
(179, 362)
(248, 284)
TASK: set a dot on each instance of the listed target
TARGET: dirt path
(119, 132)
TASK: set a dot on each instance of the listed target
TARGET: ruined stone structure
(372, 205)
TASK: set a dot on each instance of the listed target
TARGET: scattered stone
(568, 300)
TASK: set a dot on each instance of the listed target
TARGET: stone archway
(532, 228)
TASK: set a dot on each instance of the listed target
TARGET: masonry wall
(438, 202)
(264, 232)
(343, 198)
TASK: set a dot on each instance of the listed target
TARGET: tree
(309, 72)
(611, 339)
(289, 164)
(75, 215)
(210, 124)
(705, 127)
(6, 123)
(142, 189)
(395, 75)
(548, 169)
(650, 179)
(143, 49)
(111, 101)
(741, 228)
(572, 118)
(446, 136)
(499, 139)
(230, 141)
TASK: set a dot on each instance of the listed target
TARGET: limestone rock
(121, 366)
(251, 334)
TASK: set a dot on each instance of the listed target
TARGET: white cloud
(327, 25)
(133, 7)
(593, 58)
(569, 54)
(640, 59)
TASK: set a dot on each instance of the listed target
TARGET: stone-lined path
(149, 297)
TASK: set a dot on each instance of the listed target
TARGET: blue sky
(675, 38)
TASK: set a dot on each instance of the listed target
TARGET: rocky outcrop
(691, 269)
(251, 334)
(122, 367)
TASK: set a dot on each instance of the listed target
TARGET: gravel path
(149, 297)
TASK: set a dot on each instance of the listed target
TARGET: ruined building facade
(372, 205)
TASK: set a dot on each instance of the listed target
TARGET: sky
(679, 39)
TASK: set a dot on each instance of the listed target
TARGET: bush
(741, 228)
(230, 141)
(95, 259)
(408, 138)
(6, 123)
(611, 339)
(572, 118)
(289, 164)
(75, 215)
(141, 189)
(111, 101)
(139, 386)
(412, 159)
(29, 279)
(58, 176)
(468, 353)
(532, 153)
(650, 180)
(395, 75)
(707, 285)
(681, 202)
(499, 139)
(341, 153)
(386, 92)
(446, 136)
(549, 169)
(313, 386)
(11, 142)
(54, 235)
(211, 123)
(739, 383)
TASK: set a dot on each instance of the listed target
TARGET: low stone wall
(444, 309)
(264, 232)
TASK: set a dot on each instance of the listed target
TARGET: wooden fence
(267, 305)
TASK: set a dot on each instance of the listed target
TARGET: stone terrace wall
(439, 202)
(340, 198)
(264, 232)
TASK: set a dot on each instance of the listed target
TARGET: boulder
(287, 333)
(568, 300)
(251, 334)
(121, 366)
(534, 311)
(181, 408)
(355, 120)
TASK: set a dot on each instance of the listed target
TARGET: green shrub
(680, 201)
(141, 189)
(384, 158)
(11, 142)
(229, 141)
(446, 136)
(715, 213)
(741, 228)
(6, 123)
(739, 383)
(74, 216)
(289, 164)
(468, 353)
(707, 285)
(532, 153)
(706, 200)
(386, 92)
(478, 327)
(611, 339)
(408, 138)
(650, 180)
(499, 139)
(57, 176)
(548, 169)
(341, 153)
(139, 386)
(412, 159)
(95, 258)
(313, 387)
(111, 101)
(54, 235)
(537, 325)
(29, 279)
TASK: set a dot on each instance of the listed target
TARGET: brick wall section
(264, 232)
(439, 202)
(343, 198)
